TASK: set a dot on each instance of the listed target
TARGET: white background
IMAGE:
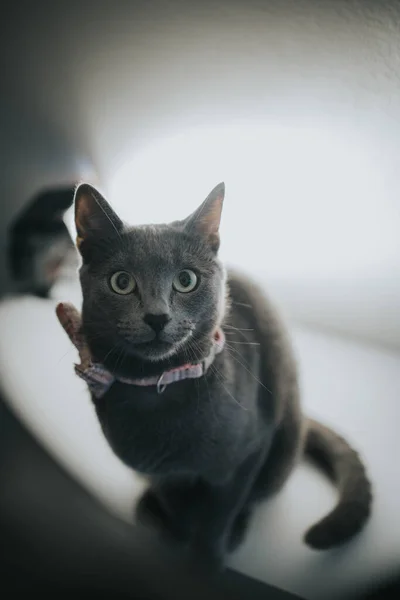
(294, 103)
(307, 212)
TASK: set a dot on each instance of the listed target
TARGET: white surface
(297, 188)
(354, 388)
(293, 102)
(309, 92)
(295, 105)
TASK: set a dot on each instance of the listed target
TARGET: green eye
(122, 283)
(185, 281)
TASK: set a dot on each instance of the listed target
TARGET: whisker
(244, 343)
(110, 352)
(221, 379)
(188, 351)
(119, 360)
(66, 353)
(236, 328)
(233, 330)
(232, 349)
(219, 375)
(242, 304)
(212, 403)
(248, 370)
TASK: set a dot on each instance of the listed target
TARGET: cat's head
(151, 293)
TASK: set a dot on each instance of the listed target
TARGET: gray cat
(194, 381)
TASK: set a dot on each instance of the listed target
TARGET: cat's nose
(156, 322)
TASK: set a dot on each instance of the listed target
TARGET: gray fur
(212, 448)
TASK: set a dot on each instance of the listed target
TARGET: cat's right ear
(206, 219)
(94, 217)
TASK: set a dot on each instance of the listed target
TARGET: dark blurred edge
(385, 589)
(39, 242)
(56, 538)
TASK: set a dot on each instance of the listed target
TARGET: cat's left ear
(94, 217)
(206, 219)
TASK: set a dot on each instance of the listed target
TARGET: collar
(100, 380)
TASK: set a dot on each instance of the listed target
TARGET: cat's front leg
(168, 505)
(220, 506)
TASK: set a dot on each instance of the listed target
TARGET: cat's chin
(155, 351)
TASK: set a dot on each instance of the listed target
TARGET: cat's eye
(186, 281)
(122, 283)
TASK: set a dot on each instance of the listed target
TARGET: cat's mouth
(155, 344)
(158, 348)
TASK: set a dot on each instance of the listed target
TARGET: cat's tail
(343, 465)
